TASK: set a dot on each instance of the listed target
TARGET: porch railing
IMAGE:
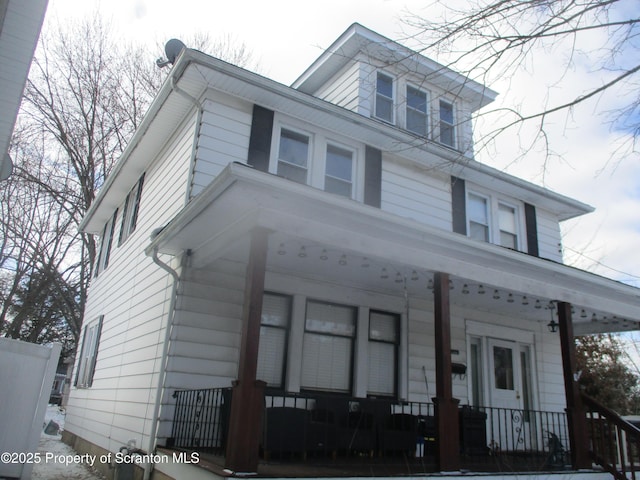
(614, 443)
(201, 419)
(330, 428)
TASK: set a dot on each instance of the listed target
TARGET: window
(339, 171)
(105, 246)
(130, 211)
(383, 353)
(475, 359)
(478, 217)
(416, 111)
(503, 368)
(447, 136)
(384, 98)
(328, 347)
(89, 353)
(276, 312)
(293, 156)
(507, 220)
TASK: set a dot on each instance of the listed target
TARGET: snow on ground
(58, 460)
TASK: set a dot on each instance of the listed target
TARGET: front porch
(310, 435)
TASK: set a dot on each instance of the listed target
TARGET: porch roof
(218, 222)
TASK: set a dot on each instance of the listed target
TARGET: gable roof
(358, 38)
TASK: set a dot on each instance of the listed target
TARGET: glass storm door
(510, 390)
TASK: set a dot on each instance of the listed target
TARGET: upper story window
(491, 219)
(130, 211)
(508, 225)
(384, 97)
(105, 246)
(447, 130)
(416, 110)
(478, 217)
(339, 171)
(293, 156)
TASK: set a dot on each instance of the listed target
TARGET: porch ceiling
(325, 236)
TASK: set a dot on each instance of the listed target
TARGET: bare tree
(491, 39)
(85, 96)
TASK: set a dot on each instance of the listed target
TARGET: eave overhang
(194, 73)
(241, 199)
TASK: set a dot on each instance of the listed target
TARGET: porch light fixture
(430, 284)
(384, 275)
(399, 278)
(324, 255)
(414, 276)
(496, 295)
(525, 300)
(510, 298)
(552, 325)
(538, 305)
(465, 289)
(281, 250)
(303, 252)
(481, 290)
(343, 260)
(583, 314)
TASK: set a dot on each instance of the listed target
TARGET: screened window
(383, 353)
(89, 353)
(105, 246)
(274, 329)
(508, 226)
(447, 135)
(384, 97)
(130, 211)
(339, 171)
(328, 347)
(293, 156)
(416, 111)
(478, 214)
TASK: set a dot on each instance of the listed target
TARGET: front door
(512, 421)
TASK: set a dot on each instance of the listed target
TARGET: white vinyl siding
(342, 89)
(133, 294)
(225, 128)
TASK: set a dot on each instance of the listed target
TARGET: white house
(332, 250)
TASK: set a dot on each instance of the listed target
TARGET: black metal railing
(201, 419)
(614, 443)
(330, 428)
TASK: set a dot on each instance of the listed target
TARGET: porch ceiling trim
(242, 198)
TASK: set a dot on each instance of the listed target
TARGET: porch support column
(575, 410)
(247, 404)
(446, 406)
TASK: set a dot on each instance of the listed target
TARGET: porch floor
(365, 466)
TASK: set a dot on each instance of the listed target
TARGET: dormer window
(293, 156)
(416, 110)
(384, 97)
(447, 132)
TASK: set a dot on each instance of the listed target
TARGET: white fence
(26, 375)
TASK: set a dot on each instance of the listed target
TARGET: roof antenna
(172, 49)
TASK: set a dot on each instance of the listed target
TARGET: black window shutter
(260, 139)
(458, 205)
(532, 229)
(373, 177)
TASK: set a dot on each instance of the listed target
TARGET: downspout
(148, 467)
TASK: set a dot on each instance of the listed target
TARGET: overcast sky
(287, 35)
